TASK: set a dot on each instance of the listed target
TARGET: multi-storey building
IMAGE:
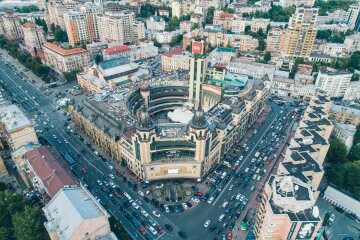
(333, 82)
(155, 23)
(12, 28)
(352, 43)
(175, 59)
(81, 25)
(16, 127)
(252, 69)
(223, 19)
(345, 133)
(66, 60)
(287, 210)
(176, 9)
(257, 23)
(352, 16)
(56, 10)
(33, 37)
(343, 114)
(248, 43)
(352, 93)
(121, 51)
(178, 148)
(119, 27)
(186, 26)
(282, 86)
(75, 214)
(238, 25)
(301, 32)
(275, 40)
(297, 3)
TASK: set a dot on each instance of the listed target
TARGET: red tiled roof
(220, 66)
(41, 54)
(62, 51)
(175, 51)
(48, 169)
(226, 15)
(117, 49)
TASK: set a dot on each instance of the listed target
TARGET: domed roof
(199, 120)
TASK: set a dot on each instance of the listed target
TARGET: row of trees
(32, 63)
(275, 14)
(19, 220)
(260, 35)
(27, 9)
(328, 6)
(333, 36)
(148, 10)
(344, 169)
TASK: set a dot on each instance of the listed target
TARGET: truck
(245, 222)
(68, 157)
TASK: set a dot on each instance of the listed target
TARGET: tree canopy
(357, 135)
(210, 15)
(330, 6)
(172, 25)
(19, 220)
(275, 14)
(346, 176)
(27, 9)
(337, 152)
(267, 57)
(354, 153)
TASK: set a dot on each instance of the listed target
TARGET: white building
(74, 214)
(352, 43)
(333, 82)
(257, 23)
(186, 26)
(282, 86)
(164, 37)
(343, 201)
(253, 69)
(155, 23)
(175, 59)
(297, 3)
(353, 91)
(345, 133)
(352, 14)
(176, 9)
(238, 25)
(334, 49)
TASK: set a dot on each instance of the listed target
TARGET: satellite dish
(296, 187)
(315, 212)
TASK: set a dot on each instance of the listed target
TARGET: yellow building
(33, 36)
(301, 32)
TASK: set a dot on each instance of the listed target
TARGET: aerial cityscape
(179, 119)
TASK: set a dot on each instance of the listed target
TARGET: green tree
(70, 76)
(331, 6)
(247, 29)
(354, 153)
(337, 152)
(27, 9)
(355, 60)
(262, 45)
(210, 15)
(28, 225)
(176, 40)
(5, 234)
(98, 58)
(173, 24)
(357, 135)
(267, 57)
(156, 43)
(346, 176)
(60, 35)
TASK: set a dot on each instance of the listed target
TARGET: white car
(207, 223)
(99, 182)
(111, 176)
(210, 200)
(54, 136)
(135, 205)
(167, 210)
(231, 187)
(110, 167)
(225, 204)
(52, 126)
(156, 213)
(238, 196)
(143, 212)
(153, 231)
(141, 193)
(185, 206)
(242, 198)
(246, 169)
(112, 184)
(195, 199)
(258, 177)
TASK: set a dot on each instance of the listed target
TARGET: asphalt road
(191, 222)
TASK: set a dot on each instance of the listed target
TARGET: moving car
(207, 223)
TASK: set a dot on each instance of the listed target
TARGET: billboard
(197, 48)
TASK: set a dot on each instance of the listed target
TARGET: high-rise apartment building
(33, 36)
(287, 210)
(119, 27)
(301, 33)
(176, 9)
(352, 16)
(81, 25)
(12, 28)
(55, 10)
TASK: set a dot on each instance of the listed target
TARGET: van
(221, 217)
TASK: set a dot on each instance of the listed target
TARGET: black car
(168, 227)
(182, 235)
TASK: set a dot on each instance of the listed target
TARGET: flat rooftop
(13, 118)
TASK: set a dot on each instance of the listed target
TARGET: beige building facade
(66, 60)
(12, 28)
(33, 36)
(275, 40)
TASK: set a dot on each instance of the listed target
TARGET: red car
(199, 194)
(229, 235)
(117, 194)
(142, 230)
(84, 170)
(159, 228)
